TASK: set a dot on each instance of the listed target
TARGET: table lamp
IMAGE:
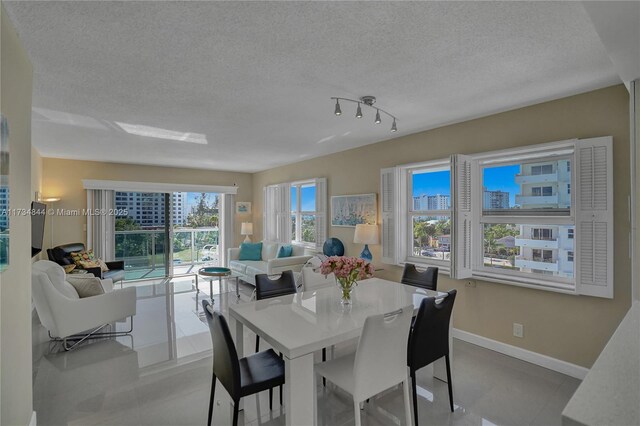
(366, 234)
(246, 229)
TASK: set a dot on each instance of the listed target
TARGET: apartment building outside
(496, 199)
(545, 249)
(148, 208)
(431, 202)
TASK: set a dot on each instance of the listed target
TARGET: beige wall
(570, 328)
(15, 282)
(63, 179)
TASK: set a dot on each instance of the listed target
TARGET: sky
(308, 198)
(500, 178)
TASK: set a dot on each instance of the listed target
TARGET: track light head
(394, 128)
(338, 111)
(378, 120)
(359, 111)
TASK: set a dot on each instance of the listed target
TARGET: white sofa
(269, 263)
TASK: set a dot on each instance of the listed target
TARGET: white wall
(15, 282)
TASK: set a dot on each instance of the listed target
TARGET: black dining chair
(427, 279)
(240, 377)
(267, 288)
(429, 341)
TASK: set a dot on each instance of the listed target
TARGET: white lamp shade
(246, 228)
(366, 234)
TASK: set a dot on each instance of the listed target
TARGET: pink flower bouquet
(347, 271)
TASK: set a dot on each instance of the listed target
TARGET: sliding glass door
(166, 234)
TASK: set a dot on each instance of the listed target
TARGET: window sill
(532, 283)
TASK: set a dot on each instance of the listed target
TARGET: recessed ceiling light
(155, 132)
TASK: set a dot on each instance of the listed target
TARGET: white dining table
(300, 324)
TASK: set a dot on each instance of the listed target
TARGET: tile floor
(161, 376)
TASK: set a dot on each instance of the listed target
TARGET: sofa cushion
(298, 250)
(238, 266)
(250, 251)
(269, 250)
(285, 251)
(254, 268)
(85, 285)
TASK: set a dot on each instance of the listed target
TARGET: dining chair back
(240, 376)
(312, 280)
(426, 279)
(429, 340)
(226, 366)
(380, 357)
(267, 288)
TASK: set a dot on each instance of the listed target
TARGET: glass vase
(346, 287)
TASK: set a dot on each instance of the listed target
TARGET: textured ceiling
(255, 78)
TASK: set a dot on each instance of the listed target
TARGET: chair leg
(235, 413)
(449, 383)
(415, 397)
(407, 404)
(211, 399)
(270, 398)
(281, 390)
(324, 358)
(356, 412)
(257, 343)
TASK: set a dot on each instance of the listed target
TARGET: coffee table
(212, 272)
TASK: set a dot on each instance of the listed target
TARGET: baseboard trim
(33, 421)
(545, 361)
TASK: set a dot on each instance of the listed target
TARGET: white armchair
(65, 314)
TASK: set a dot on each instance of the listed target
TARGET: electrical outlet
(470, 283)
(518, 330)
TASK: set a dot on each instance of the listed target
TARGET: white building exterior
(546, 249)
(147, 208)
(4, 206)
(496, 199)
(431, 202)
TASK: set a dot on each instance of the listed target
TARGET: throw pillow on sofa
(285, 251)
(86, 260)
(250, 251)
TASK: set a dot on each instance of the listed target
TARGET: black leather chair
(62, 256)
(429, 341)
(427, 279)
(267, 288)
(240, 377)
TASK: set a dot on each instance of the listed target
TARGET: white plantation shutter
(283, 213)
(227, 222)
(462, 167)
(389, 214)
(321, 212)
(269, 218)
(594, 217)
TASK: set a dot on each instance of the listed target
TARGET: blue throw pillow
(250, 251)
(285, 251)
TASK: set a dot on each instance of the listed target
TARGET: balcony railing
(537, 263)
(525, 179)
(551, 243)
(525, 200)
(146, 249)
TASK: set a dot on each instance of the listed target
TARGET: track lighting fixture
(368, 101)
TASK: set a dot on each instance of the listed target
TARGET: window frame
(533, 217)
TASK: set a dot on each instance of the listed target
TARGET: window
(303, 213)
(296, 212)
(429, 214)
(509, 218)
